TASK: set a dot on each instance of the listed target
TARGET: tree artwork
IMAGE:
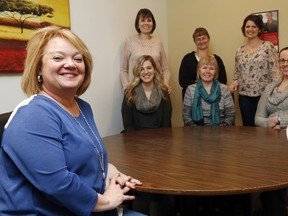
(19, 19)
(22, 10)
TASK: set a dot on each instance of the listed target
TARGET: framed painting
(271, 27)
(18, 20)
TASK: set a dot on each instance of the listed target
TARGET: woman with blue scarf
(208, 102)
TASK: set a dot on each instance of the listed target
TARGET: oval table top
(202, 160)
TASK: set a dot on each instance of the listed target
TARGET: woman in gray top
(208, 102)
(272, 110)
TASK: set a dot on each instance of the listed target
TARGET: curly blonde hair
(33, 62)
(158, 78)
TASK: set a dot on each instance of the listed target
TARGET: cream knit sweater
(134, 47)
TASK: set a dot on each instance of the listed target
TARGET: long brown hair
(158, 78)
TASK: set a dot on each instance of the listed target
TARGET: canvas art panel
(18, 20)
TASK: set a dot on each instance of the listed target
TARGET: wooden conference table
(203, 160)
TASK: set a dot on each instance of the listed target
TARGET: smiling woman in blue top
(53, 161)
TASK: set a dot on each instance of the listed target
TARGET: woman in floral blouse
(256, 65)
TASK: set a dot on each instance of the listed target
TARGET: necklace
(100, 153)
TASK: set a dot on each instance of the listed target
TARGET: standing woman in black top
(188, 67)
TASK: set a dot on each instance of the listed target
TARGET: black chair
(3, 120)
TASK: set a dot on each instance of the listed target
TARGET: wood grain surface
(203, 160)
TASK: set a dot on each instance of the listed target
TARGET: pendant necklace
(100, 153)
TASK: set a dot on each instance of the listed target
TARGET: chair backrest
(3, 119)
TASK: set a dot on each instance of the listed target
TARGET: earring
(39, 79)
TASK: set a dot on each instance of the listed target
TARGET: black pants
(274, 202)
(248, 107)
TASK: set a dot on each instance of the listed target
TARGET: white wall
(103, 25)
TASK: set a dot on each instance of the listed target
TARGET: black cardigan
(188, 71)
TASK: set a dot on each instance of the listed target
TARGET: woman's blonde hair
(158, 78)
(35, 49)
(208, 60)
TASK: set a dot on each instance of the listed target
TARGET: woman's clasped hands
(273, 122)
(117, 188)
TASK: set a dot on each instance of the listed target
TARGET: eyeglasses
(283, 61)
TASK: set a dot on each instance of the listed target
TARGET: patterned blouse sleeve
(273, 61)
(236, 70)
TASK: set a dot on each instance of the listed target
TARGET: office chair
(3, 119)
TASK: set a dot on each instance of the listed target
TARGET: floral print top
(255, 69)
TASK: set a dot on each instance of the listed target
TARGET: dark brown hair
(144, 13)
(283, 49)
(257, 20)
